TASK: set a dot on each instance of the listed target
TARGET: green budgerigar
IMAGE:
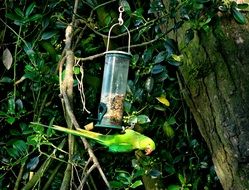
(130, 140)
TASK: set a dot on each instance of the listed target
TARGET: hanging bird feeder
(114, 83)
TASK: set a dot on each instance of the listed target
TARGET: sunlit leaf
(173, 187)
(181, 178)
(10, 120)
(168, 130)
(136, 184)
(177, 58)
(76, 70)
(7, 58)
(163, 100)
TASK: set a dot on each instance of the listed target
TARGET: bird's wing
(122, 147)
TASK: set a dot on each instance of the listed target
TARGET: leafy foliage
(32, 45)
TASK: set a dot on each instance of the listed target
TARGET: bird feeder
(114, 84)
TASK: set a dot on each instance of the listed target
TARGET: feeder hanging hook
(120, 19)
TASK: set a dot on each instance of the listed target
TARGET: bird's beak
(148, 151)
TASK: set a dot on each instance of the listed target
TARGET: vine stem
(14, 62)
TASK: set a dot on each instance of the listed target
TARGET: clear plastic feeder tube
(114, 86)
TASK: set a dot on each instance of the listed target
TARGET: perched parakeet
(130, 140)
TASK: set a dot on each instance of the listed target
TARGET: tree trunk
(215, 74)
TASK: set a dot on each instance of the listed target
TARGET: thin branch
(124, 47)
(90, 57)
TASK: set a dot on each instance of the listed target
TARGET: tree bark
(215, 74)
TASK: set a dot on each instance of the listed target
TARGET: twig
(90, 57)
(66, 89)
(18, 180)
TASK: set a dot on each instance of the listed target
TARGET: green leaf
(116, 184)
(134, 59)
(149, 83)
(177, 58)
(182, 179)
(159, 108)
(147, 55)
(189, 35)
(243, 5)
(76, 70)
(10, 120)
(108, 20)
(155, 173)
(160, 57)
(13, 152)
(171, 46)
(127, 107)
(135, 164)
(30, 9)
(38, 128)
(171, 120)
(168, 130)
(138, 12)
(19, 148)
(142, 119)
(238, 16)
(173, 62)
(14, 132)
(6, 80)
(170, 169)
(124, 177)
(48, 35)
(136, 184)
(13, 16)
(34, 18)
(126, 6)
(32, 164)
(11, 105)
(173, 187)
(33, 140)
(202, 1)
(156, 69)
(19, 12)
